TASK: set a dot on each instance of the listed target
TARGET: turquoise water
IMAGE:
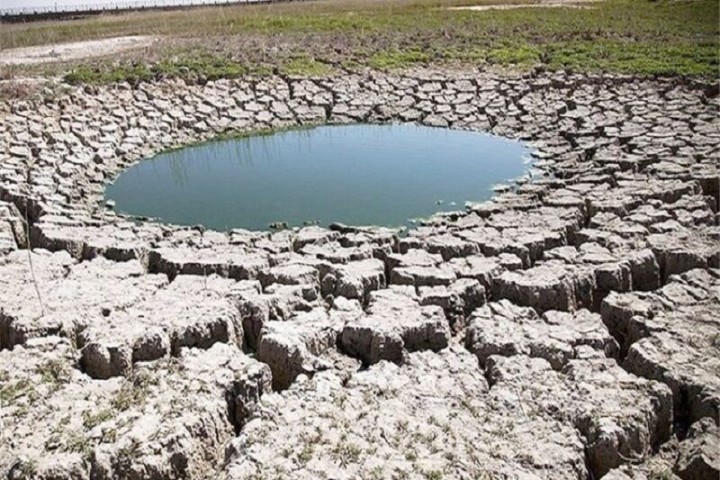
(357, 175)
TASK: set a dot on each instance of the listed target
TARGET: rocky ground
(567, 329)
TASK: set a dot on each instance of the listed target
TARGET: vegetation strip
(621, 36)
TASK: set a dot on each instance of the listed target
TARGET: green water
(357, 175)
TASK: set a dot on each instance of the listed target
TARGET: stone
(313, 235)
(501, 328)
(693, 457)
(190, 312)
(296, 346)
(481, 268)
(549, 286)
(290, 274)
(64, 298)
(681, 251)
(13, 232)
(119, 242)
(447, 246)
(334, 252)
(457, 300)
(356, 280)
(429, 415)
(698, 456)
(395, 324)
(412, 258)
(170, 419)
(423, 276)
(670, 335)
(278, 302)
(619, 415)
(226, 261)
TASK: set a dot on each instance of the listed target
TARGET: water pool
(354, 174)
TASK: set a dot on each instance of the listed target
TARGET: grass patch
(395, 59)
(91, 420)
(433, 475)
(77, 443)
(646, 37)
(306, 454)
(522, 55)
(639, 58)
(9, 392)
(346, 453)
(27, 468)
(133, 391)
(242, 134)
(194, 67)
(55, 372)
(306, 66)
(472, 55)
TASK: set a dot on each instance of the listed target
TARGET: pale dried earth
(536, 4)
(567, 329)
(65, 52)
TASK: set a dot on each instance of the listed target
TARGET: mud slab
(565, 329)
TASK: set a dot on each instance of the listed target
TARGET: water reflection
(357, 174)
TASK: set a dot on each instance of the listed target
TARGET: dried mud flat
(65, 52)
(538, 4)
(567, 329)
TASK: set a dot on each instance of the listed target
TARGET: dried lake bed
(566, 328)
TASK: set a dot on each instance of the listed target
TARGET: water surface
(357, 175)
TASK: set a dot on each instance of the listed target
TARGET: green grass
(433, 475)
(55, 372)
(640, 58)
(133, 392)
(306, 66)
(521, 54)
(662, 37)
(76, 442)
(193, 66)
(9, 392)
(396, 59)
(91, 420)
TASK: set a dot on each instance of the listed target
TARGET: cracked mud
(567, 329)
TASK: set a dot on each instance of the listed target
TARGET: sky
(64, 4)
